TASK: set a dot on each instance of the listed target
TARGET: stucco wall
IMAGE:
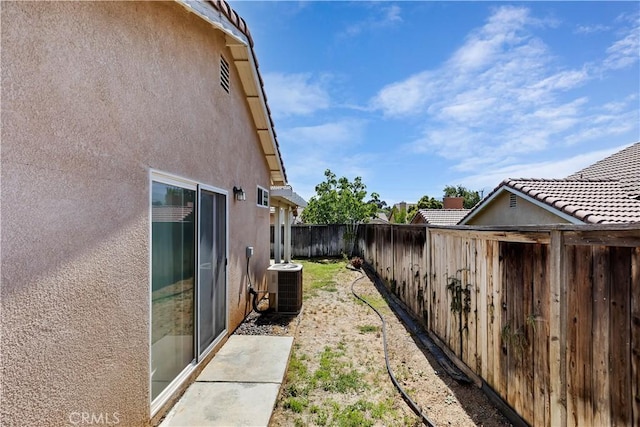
(498, 212)
(94, 95)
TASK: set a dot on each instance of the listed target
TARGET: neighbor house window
(263, 197)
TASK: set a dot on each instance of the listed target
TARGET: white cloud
(295, 94)
(406, 97)
(331, 145)
(563, 80)
(491, 177)
(502, 95)
(590, 29)
(625, 51)
(340, 132)
(383, 17)
(499, 59)
(604, 125)
(485, 45)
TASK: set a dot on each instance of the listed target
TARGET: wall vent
(513, 200)
(225, 79)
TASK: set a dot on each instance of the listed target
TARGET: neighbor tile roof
(623, 166)
(442, 216)
(593, 201)
(606, 192)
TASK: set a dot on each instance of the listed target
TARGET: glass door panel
(172, 281)
(212, 268)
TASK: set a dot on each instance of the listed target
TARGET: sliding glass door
(188, 277)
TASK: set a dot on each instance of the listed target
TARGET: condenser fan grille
(289, 291)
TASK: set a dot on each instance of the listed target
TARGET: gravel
(269, 323)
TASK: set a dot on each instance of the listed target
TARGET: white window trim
(264, 190)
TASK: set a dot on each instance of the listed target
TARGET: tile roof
(593, 201)
(623, 166)
(442, 216)
(606, 192)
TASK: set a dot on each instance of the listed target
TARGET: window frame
(262, 203)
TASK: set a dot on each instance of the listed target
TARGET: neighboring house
(138, 153)
(439, 216)
(604, 193)
(380, 218)
(450, 214)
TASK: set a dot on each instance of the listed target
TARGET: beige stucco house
(138, 153)
(606, 192)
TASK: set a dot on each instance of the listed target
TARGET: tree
(340, 201)
(425, 202)
(399, 215)
(375, 199)
(471, 198)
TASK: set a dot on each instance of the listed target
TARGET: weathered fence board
(548, 317)
(541, 381)
(635, 335)
(619, 354)
(600, 376)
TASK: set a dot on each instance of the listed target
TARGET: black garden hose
(414, 406)
(254, 302)
(254, 293)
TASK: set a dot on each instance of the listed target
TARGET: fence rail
(548, 317)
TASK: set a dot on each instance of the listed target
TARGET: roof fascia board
(215, 18)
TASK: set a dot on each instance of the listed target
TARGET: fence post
(558, 331)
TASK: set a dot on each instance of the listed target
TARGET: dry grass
(337, 375)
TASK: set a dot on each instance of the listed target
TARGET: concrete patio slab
(239, 387)
(250, 358)
(224, 404)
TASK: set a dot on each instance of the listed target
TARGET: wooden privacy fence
(548, 317)
(312, 241)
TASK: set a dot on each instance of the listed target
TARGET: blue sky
(413, 96)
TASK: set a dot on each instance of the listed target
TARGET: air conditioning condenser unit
(285, 287)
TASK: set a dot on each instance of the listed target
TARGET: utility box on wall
(285, 287)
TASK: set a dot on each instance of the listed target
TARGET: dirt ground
(337, 373)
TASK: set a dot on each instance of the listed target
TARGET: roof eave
(285, 196)
(240, 45)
